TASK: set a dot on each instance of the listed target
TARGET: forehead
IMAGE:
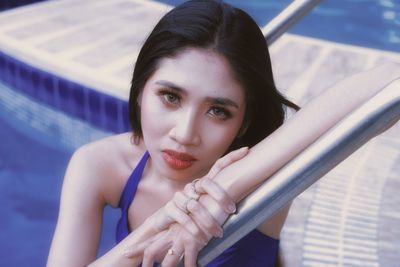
(200, 71)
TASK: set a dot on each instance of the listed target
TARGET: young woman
(202, 88)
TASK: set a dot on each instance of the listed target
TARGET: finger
(205, 220)
(138, 249)
(192, 191)
(158, 247)
(191, 252)
(216, 192)
(173, 256)
(181, 200)
(173, 211)
(160, 220)
(226, 160)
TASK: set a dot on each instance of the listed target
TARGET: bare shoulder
(95, 177)
(110, 150)
(106, 164)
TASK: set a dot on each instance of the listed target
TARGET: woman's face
(191, 111)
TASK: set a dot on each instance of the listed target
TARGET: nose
(185, 131)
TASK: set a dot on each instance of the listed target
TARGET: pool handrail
(272, 31)
(287, 18)
(370, 119)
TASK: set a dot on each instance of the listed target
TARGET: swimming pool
(37, 143)
(369, 23)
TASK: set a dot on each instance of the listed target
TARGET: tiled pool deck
(351, 217)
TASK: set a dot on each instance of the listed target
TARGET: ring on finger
(193, 192)
(172, 252)
(193, 186)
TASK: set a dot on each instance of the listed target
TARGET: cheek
(230, 133)
(151, 117)
(220, 139)
(217, 142)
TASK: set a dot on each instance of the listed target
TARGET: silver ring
(172, 252)
(193, 193)
(193, 186)
(185, 205)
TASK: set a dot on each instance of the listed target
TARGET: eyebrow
(215, 100)
(171, 86)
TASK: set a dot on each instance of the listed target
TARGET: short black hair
(230, 32)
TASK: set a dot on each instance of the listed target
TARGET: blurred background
(65, 69)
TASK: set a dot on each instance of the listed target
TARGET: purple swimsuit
(253, 250)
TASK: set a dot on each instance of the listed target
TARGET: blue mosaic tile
(111, 109)
(125, 118)
(95, 108)
(103, 111)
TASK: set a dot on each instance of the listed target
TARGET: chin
(187, 175)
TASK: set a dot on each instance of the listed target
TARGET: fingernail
(232, 208)
(220, 233)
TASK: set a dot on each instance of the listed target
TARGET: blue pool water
(369, 23)
(34, 154)
(37, 142)
(30, 175)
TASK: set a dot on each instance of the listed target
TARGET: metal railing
(379, 113)
(287, 18)
(234, 228)
(319, 158)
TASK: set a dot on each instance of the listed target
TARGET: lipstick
(177, 160)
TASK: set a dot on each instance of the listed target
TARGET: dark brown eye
(171, 98)
(220, 113)
(168, 97)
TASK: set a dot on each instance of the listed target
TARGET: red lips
(178, 161)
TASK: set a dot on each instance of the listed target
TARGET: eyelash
(166, 94)
(225, 113)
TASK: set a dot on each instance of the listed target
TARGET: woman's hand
(180, 244)
(168, 247)
(201, 224)
(197, 225)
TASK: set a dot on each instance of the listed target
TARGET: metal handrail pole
(306, 168)
(272, 31)
(287, 18)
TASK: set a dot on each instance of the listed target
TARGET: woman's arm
(318, 116)
(95, 176)
(239, 178)
(156, 227)
(77, 234)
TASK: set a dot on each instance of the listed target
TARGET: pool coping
(97, 98)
